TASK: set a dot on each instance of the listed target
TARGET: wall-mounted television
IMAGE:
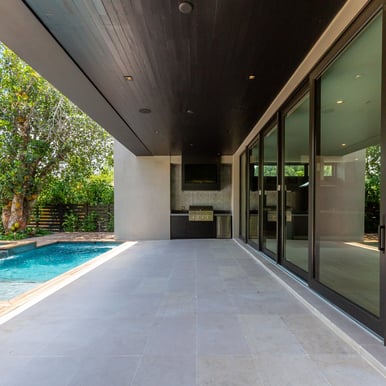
(200, 173)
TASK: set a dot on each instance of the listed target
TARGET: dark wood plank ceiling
(190, 70)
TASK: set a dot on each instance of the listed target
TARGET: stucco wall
(142, 196)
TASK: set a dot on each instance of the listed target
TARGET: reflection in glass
(296, 182)
(253, 221)
(270, 204)
(347, 177)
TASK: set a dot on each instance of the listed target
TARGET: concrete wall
(142, 196)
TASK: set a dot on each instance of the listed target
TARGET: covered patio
(187, 312)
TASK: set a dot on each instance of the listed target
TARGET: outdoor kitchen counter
(182, 228)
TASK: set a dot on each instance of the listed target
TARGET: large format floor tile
(177, 313)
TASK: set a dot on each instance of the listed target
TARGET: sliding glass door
(254, 190)
(270, 208)
(243, 197)
(315, 177)
(348, 172)
(296, 158)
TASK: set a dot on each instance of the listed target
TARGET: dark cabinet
(182, 228)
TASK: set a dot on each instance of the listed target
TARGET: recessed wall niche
(219, 199)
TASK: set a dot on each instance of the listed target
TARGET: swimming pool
(25, 270)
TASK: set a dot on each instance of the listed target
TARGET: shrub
(90, 223)
(70, 222)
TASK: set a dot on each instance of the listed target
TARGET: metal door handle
(381, 237)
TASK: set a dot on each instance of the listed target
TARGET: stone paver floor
(181, 312)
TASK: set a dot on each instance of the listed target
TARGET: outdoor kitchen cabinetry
(182, 228)
(198, 223)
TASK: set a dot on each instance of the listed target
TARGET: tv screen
(200, 176)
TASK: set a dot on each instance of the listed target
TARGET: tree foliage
(43, 137)
(372, 188)
(94, 190)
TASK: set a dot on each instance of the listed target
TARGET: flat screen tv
(201, 174)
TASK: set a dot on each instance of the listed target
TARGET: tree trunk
(16, 217)
(6, 213)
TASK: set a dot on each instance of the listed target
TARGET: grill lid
(200, 213)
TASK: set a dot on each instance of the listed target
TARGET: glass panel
(348, 171)
(253, 231)
(270, 191)
(296, 162)
(243, 198)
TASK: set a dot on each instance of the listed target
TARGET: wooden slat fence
(52, 217)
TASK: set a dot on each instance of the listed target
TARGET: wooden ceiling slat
(198, 61)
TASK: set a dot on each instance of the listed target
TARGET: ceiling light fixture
(339, 101)
(144, 111)
(185, 7)
(343, 145)
(128, 77)
(188, 111)
(251, 77)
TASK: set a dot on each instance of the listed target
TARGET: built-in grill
(200, 213)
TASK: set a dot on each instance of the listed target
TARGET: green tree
(372, 188)
(42, 136)
(97, 189)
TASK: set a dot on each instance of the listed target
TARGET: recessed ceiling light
(339, 101)
(188, 111)
(144, 111)
(251, 77)
(185, 7)
(156, 132)
(357, 76)
(128, 77)
(343, 144)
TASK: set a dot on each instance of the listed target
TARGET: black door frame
(377, 324)
(295, 98)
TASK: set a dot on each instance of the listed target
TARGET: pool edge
(11, 308)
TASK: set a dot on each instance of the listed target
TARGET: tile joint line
(367, 356)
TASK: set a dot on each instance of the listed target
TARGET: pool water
(23, 271)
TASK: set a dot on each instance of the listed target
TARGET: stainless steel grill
(200, 213)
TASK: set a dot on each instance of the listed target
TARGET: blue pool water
(23, 271)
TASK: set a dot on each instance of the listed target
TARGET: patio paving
(73, 236)
(186, 312)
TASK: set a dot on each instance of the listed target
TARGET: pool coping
(12, 307)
